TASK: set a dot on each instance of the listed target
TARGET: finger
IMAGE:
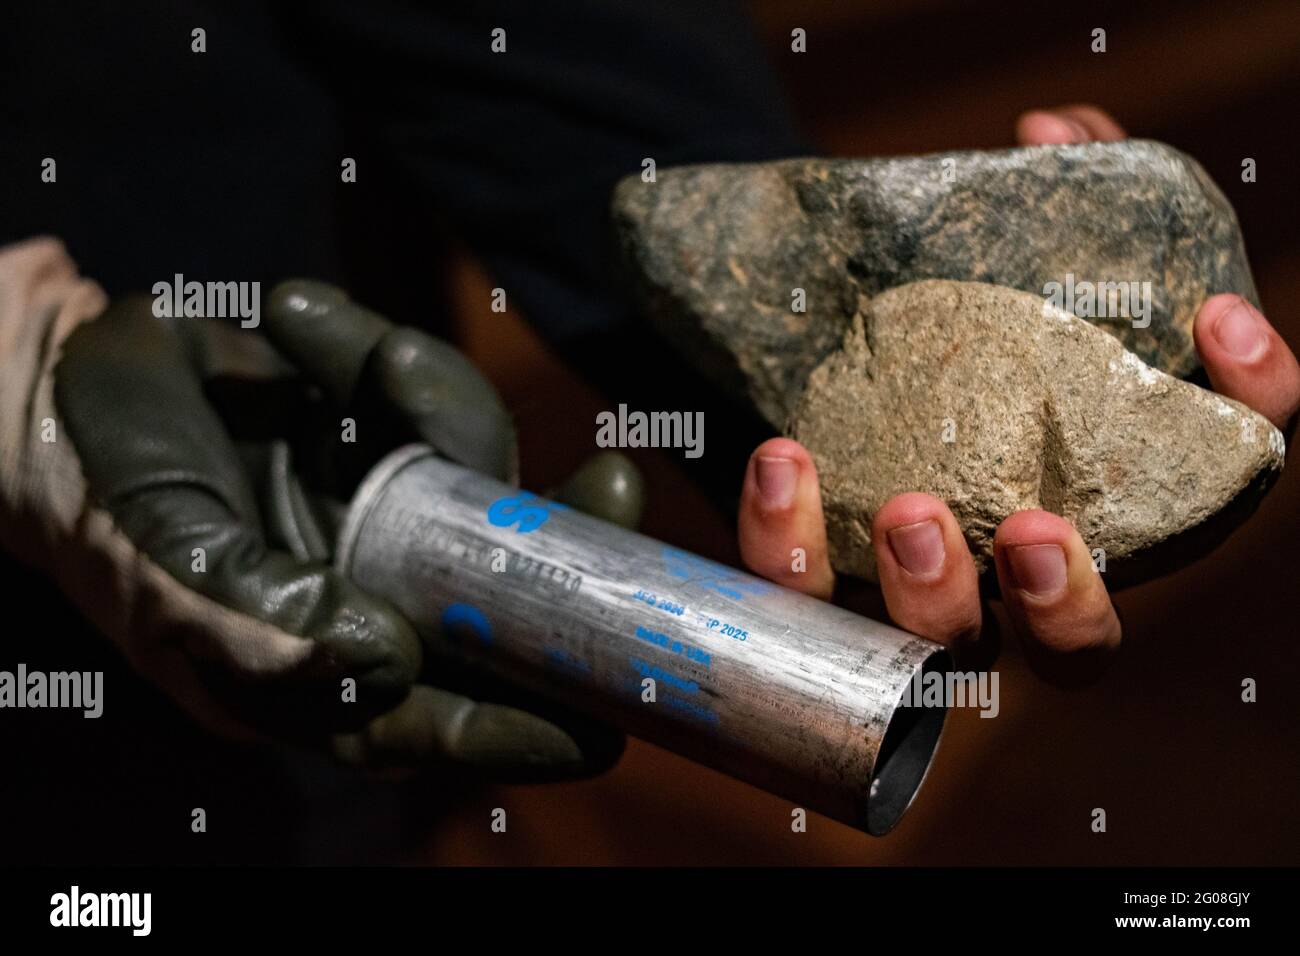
(158, 458)
(925, 569)
(1246, 359)
(1100, 125)
(782, 532)
(1043, 128)
(1054, 596)
(501, 742)
(357, 357)
(1080, 123)
(607, 486)
(325, 335)
(447, 402)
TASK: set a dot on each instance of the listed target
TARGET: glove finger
(446, 401)
(324, 334)
(363, 362)
(161, 463)
(607, 486)
(436, 726)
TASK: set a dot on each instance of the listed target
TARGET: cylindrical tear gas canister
(792, 694)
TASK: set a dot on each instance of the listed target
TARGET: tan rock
(995, 402)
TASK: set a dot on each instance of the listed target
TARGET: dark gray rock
(719, 249)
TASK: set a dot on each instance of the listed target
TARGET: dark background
(1186, 772)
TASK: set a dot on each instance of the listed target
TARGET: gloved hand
(206, 559)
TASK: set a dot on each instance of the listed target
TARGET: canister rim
(899, 770)
(367, 494)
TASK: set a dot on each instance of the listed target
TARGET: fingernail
(1063, 129)
(1078, 132)
(1038, 568)
(776, 478)
(1240, 331)
(918, 547)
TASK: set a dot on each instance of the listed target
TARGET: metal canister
(792, 694)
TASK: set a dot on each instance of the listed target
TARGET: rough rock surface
(1040, 410)
(719, 248)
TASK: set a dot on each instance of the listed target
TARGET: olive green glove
(193, 521)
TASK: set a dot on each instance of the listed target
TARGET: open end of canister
(911, 740)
